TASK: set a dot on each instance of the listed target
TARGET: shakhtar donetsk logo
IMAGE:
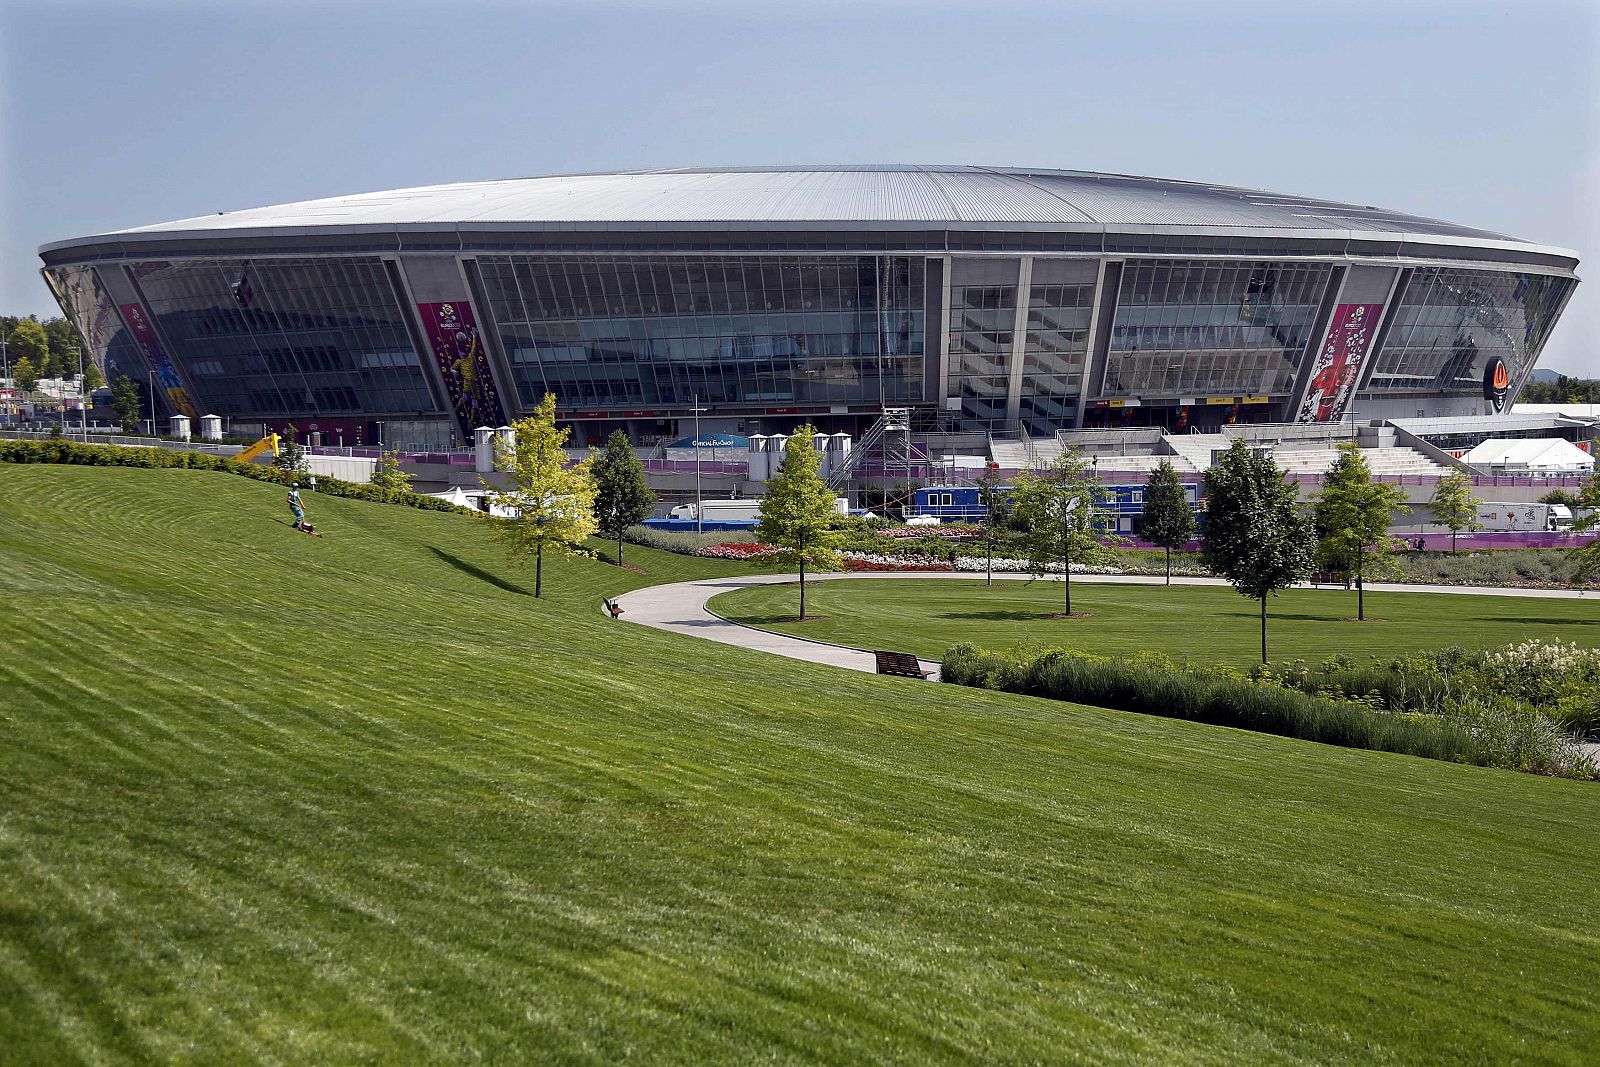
(1496, 384)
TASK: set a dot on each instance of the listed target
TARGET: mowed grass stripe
(425, 817)
(1196, 623)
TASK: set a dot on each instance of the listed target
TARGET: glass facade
(654, 331)
(322, 337)
(633, 337)
(1192, 327)
(1451, 324)
(983, 321)
(91, 309)
(1053, 354)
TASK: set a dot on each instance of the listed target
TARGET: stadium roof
(862, 196)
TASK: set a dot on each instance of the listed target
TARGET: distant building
(983, 299)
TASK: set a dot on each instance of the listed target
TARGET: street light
(83, 410)
(699, 506)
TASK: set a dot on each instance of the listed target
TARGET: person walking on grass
(294, 505)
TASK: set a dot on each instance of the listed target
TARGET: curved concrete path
(681, 607)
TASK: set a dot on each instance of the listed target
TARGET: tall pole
(83, 410)
(152, 385)
(5, 368)
(699, 505)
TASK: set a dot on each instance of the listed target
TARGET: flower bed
(738, 550)
(1005, 565)
(951, 532)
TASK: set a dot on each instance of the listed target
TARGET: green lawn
(1204, 623)
(362, 799)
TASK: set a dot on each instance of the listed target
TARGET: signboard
(1496, 384)
(1256, 400)
(1339, 361)
(1218, 400)
(144, 335)
(453, 336)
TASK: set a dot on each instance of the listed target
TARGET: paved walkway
(681, 608)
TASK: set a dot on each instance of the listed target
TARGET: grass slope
(1210, 623)
(358, 799)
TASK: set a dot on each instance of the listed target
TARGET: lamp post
(699, 507)
(5, 369)
(83, 410)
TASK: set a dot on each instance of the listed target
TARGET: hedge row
(72, 452)
(1216, 697)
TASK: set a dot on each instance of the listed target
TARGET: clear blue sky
(122, 114)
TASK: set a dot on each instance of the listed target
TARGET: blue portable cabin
(951, 503)
(1122, 507)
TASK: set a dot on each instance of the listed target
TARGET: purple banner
(145, 336)
(1338, 368)
(458, 349)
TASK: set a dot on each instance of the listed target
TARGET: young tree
(1255, 535)
(26, 375)
(92, 380)
(62, 340)
(797, 514)
(1057, 509)
(623, 497)
(996, 505)
(553, 503)
(291, 458)
(1168, 520)
(1351, 515)
(388, 474)
(126, 403)
(1454, 505)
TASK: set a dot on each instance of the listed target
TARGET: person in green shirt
(294, 505)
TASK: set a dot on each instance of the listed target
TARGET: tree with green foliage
(1060, 511)
(291, 457)
(1454, 506)
(996, 504)
(388, 474)
(1168, 520)
(25, 373)
(27, 341)
(1351, 514)
(126, 403)
(92, 380)
(623, 496)
(797, 514)
(552, 504)
(1255, 534)
(62, 338)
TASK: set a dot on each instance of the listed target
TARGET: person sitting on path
(294, 505)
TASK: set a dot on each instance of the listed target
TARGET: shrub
(1471, 732)
(686, 542)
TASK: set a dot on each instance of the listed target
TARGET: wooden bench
(1330, 578)
(900, 664)
(613, 607)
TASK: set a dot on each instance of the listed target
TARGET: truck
(748, 510)
(1505, 516)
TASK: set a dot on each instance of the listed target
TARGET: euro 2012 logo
(447, 316)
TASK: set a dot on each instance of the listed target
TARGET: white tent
(1536, 455)
(457, 496)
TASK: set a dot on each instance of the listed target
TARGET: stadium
(1019, 304)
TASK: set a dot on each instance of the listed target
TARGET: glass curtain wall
(1451, 324)
(1056, 346)
(740, 331)
(1192, 327)
(90, 308)
(282, 337)
(983, 322)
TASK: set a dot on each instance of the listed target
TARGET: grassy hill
(1210, 624)
(362, 799)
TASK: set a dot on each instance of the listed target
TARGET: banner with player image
(458, 349)
(156, 355)
(1339, 362)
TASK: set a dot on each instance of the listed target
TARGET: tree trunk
(1169, 566)
(1361, 601)
(619, 550)
(1066, 581)
(802, 589)
(1452, 540)
(988, 565)
(538, 571)
(1263, 630)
